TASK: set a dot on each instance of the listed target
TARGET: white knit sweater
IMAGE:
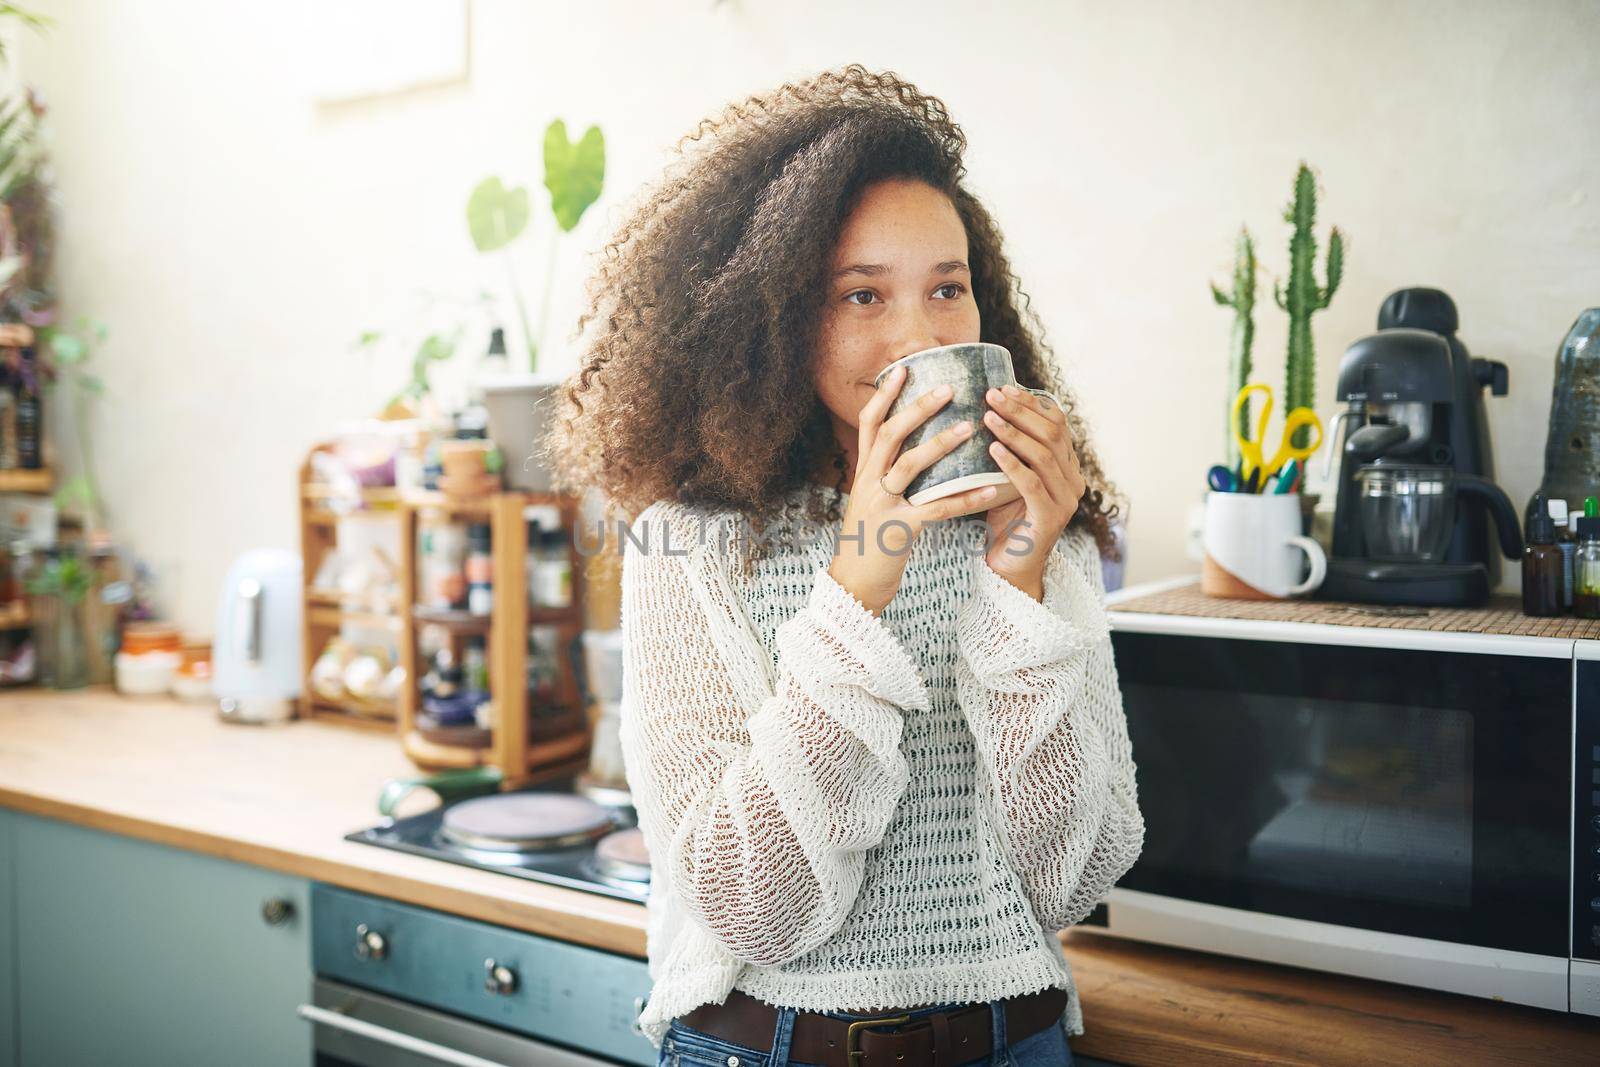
(855, 813)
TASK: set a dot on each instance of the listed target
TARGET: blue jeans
(684, 1046)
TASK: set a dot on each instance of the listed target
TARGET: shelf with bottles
(493, 578)
(355, 598)
(327, 505)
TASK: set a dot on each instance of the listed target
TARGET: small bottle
(1586, 563)
(1541, 565)
(476, 664)
(495, 362)
(480, 571)
(1568, 546)
(550, 580)
(8, 420)
(553, 587)
(30, 413)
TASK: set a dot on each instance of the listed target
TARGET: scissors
(1250, 448)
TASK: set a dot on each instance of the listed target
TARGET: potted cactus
(1304, 297)
(1242, 299)
(1301, 298)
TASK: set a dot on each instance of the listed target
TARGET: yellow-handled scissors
(1250, 449)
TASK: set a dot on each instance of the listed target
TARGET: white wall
(236, 236)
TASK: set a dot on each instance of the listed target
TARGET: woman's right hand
(878, 527)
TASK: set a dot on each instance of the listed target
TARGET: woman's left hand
(1034, 449)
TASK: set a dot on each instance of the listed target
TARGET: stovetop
(573, 867)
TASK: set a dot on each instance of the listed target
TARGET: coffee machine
(1416, 492)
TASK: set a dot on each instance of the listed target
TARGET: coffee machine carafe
(1417, 440)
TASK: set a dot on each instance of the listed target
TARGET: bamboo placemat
(1501, 615)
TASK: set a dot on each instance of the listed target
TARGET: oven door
(1391, 804)
(355, 1028)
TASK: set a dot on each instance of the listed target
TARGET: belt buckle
(853, 1034)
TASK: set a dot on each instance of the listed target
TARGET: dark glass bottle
(1542, 565)
(1565, 523)
(30, 413)
(1586, 567)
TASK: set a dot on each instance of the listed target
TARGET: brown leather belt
(938, 1039)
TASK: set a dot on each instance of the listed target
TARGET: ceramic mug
(971, 370)
(1253, 547)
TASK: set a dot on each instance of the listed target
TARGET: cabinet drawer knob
(275, 911)
(498, 978)
(370, 945)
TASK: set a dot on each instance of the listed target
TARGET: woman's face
(898, 283)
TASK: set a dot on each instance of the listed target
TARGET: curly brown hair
(696, 383)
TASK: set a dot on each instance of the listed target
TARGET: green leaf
(76, 490)
(496, 215)
(574, 173)
(31, 19)
(438, 346)
(68, 349)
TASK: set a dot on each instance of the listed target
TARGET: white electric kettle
(257, 661)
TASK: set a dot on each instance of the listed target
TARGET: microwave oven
(1404, 805)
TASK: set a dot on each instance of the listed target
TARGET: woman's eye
(955, 290)
(851, 297)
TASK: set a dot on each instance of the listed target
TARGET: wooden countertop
(282, 797)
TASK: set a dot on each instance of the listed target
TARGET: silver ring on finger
(886, 489)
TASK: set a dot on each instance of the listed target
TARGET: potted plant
(1301, 298)
(517, 403)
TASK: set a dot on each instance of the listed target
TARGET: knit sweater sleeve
(759, 787)
(1038, 685)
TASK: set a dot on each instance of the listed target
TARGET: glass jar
(148, 661)
(71, 644)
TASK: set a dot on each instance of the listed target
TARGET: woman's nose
(914, 331)
(907, 345)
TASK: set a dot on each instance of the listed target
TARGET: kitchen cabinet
(134, 953)
(8, 948)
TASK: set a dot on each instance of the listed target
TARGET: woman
(877, 770)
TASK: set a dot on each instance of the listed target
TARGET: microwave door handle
(392, 1038)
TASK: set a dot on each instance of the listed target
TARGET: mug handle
(1319, 563)
(449, 785)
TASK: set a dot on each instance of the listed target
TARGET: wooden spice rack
(526, 748)
(324, 614)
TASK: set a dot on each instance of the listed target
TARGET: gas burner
(607, 794)
(525, 822)
(547, 834)
(621, 858)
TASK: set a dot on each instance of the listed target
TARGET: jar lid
(140, 637)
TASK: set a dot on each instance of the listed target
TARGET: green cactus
(1243, 302)
(1304, 296)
